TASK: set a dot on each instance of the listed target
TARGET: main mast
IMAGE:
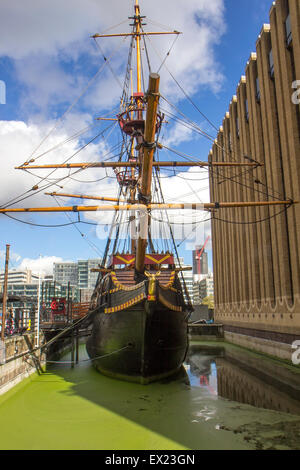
(147, 146)
(146, 142)
(146, 175)
(137, 24)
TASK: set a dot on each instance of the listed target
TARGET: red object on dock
(58, 306)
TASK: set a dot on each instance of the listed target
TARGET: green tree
(209, 301)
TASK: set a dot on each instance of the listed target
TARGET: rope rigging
(125, 147)
(38, 190)
(141, 300)
(91, 81)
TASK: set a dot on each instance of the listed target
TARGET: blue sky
(51, 60)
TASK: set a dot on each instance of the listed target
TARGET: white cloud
(186, 187)
(42, 265)
(177, 134)
(50, 45)
(56, 86)
(44, 27)
(17, 137)
(13, 257)
(51, 25)
(54, 60)
(18, 141)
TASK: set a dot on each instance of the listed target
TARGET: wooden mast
(152, 33)
(144, 162)
(137, 23)
(147, 164)
(161, 164)
(147, 146)
(133, 188)
(137, 31)
(4, 299)
(82, 196)
(144, 207)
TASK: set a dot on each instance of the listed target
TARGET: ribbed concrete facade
(256, 251)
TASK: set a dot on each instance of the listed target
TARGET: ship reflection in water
(245, 378)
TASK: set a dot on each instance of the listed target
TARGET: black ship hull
(137, 339)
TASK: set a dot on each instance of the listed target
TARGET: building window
(257, 90)
(271, 63)
(288, 31)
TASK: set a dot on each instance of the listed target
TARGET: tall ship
(140, 306)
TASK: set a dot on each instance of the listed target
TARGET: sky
(57, 80)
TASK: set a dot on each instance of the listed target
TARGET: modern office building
(188, 279)
(203, 289)
(196, 293)
(23, 290)
(189, 282)
(70, 292)
(78, 274)
(65, 273)
(52, 289)
(206, 288)
(26, 292)
(86, 278)
(85, 295)
(16, 276)
(200, 262)
(256, 251)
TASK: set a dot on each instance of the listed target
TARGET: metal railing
(20, 321)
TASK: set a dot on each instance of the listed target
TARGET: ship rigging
(140, 306)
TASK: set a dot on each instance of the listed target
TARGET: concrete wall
(15, 370)
(201, 312)
(19, 363)
(256, 251)
(266, 346)
(200, 332)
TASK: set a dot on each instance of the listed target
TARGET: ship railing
(20, 321)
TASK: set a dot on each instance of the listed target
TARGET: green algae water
(79, 409)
